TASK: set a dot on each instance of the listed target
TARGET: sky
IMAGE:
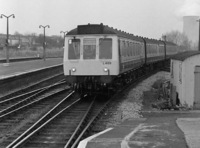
(147, 18)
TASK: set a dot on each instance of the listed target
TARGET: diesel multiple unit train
(97, 56)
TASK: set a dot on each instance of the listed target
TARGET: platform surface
(7, 70)
(155, 130)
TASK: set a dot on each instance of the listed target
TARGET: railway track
(34, 86)
(56, 126)
(16, 117)
(63, 126)
(17, 103)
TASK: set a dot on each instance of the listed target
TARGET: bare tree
(179, 38)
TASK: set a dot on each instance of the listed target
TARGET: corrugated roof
(184, 55)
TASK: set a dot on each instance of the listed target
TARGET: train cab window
(89, 48)
(74, 49)
(105, 48)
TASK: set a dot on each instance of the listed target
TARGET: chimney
(191, 27)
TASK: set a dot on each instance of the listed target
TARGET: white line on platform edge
(124, 143)
(84, 142)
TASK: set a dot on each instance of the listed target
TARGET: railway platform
(159, 129)
(16, 68)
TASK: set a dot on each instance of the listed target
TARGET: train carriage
(155, 50)
(171, 49)
(96, 55)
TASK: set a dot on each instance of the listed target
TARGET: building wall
(16, 39)
(183, 79)
(190, 64)
(175, 77)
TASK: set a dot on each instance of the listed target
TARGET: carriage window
(74, 49)
(89, 48)
(105, 48)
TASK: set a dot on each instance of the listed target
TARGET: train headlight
(105, 69)
(73, 69)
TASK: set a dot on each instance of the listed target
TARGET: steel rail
(79, 127)
(30, 98)
(31, 92)
(41, 122)
(90, 123)
(19, 96)
(28, 87)
(15, 108)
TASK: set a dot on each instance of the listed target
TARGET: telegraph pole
(44, 42)
(7, 40)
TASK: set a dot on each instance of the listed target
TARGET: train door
(120, 55)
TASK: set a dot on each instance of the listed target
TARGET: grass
(20, 53)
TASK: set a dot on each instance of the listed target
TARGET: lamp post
(44, 42)
(199, 33)
(7, 42)
(64, 32)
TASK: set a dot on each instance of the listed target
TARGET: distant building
(185, 78)
(191, 28)
(16, 40)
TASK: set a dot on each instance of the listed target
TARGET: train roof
(104, 29)
(154, 41)
(101, 29)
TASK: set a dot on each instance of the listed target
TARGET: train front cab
(90, 60)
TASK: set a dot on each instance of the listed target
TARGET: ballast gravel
(130, 103)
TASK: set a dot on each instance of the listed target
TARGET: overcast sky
(148, 18)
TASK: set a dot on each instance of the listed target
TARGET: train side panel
(155, 51)
(171, 49)
(131, 54)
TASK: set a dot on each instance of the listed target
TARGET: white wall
(175, 77)
(185, 88)
(190, 64)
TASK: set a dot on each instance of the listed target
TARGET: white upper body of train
(101, 52)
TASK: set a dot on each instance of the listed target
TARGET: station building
(185, 78)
